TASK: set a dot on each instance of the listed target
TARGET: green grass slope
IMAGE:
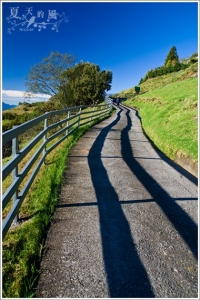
(168, 107)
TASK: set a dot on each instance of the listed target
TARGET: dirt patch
(187, 163)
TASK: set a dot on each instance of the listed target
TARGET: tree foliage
(172, 57)
(172, 64)
(162, 70)
(45, 77)
(67, 84)
(86, 84)
(194, 57)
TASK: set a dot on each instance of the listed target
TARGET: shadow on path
(162, 156)
(126, 276)
(176, 215)
(122, 202)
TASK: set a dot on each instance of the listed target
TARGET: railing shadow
(162, 156)
(176, 215)
(126, 275)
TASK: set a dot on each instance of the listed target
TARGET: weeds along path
(126, 222)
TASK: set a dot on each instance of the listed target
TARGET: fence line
(68, 125)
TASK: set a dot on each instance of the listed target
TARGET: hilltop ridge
(163, 80)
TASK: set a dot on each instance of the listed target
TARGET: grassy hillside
(161, 81)
(26, 112)
(168, 107)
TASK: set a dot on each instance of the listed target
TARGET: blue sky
(128, 38)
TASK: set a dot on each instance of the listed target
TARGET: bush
(8, 115)
(7, 125)
(163, 70)
(7, 149)
(193, 59)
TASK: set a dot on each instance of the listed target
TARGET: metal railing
(74, 117)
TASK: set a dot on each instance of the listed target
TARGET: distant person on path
(118, 101)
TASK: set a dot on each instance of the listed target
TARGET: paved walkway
(126, 223)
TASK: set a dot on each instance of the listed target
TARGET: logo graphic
(30, 21)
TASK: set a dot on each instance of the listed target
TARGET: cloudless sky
(128, 38)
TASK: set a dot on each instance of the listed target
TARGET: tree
(86, 84)
(194, 57)
(141, 81)
(45, 77)
(172, 57)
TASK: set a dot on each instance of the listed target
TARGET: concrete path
(126, 223)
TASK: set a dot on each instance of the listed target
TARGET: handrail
(63, 126)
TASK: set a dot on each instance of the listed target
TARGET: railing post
(68, 116)
(15, 170)
(100, 111)
(92, 114)
(79, 117)
(45, 136)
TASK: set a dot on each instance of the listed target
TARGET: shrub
(8, 115)
(7, 125)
